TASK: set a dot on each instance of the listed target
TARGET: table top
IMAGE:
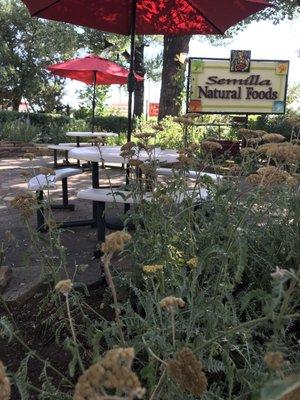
(112, 154)
(92, 134)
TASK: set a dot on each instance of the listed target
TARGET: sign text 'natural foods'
(217, 86)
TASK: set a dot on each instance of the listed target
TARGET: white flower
(279, 273)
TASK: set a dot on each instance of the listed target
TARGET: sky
(265, 40)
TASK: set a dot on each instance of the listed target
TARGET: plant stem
(152, 352)
(73, 332)
(156, 392)
(110, 282)
(9, 312)
(173, 326)
(41, 359)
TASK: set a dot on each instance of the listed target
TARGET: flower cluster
(293, 121)
(247, 151)
(112, 372)
(145, 135)
(115, 242)
(284, 152)
(30, 156)
(184, 120)
(25, 202)
(170, 302)
(274, 360)
(210, 146)
(273, 138)
(268, 176)
(151, 269)
(64, 287)
(46, 171)
(193, 262)
(4, 384)
(249, 133)
(235, 169)
(187, 372)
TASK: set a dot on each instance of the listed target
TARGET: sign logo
(237, 85)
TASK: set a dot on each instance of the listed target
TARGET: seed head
(268, 176)
(30, 156)
(25, 202)
(249, 133)
(128, 146)
(247, 151)
(193, 262)
(46, 171)
(253, 141)
(115, 242)
(183, 120)
(274, 360)
(170, 302)
(112, 372)
(187, 372)
(127, 153)
(284, 152)
(145, 135)
(135, 163)
(4, 384)
(209, 146)
(273, 138)
(293, 121)
(64, 286)
(235, 169)
(151, 269)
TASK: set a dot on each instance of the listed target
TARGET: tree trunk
(173, 74)
(16, 100)
(139, 68)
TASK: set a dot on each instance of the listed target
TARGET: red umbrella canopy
(85, 69)
(152, 16)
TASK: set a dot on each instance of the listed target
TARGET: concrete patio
(79, 242)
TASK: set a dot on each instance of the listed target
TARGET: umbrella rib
(45, 8)
(205, 17)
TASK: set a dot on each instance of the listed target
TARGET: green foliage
(27, 46)
(43, 127)
(86, 97)
(272, 123)
(40, 127)
(111, 123)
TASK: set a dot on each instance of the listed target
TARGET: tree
(86, 101)
(115, 47)
(175, 46)
(27, 46)
(175, 51)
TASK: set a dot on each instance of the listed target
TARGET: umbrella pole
(94, 102)
(131, 78)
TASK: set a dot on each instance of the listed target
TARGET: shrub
(272, 123)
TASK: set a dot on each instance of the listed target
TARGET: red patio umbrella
(164, 17)
(92, 70)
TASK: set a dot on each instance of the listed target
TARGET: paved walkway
(80, 241)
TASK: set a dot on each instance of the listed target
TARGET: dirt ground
(80, 242)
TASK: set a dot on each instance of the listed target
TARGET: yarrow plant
(209, 306)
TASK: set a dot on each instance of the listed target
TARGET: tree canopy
(27, 46)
